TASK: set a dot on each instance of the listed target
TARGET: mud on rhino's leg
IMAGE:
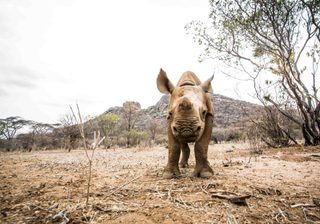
(203, 168)
(185, 155)
(172, 168)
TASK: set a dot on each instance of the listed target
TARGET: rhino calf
(190, 119)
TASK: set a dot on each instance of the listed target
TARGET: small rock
(316, 201)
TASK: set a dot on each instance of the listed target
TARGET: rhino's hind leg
(185, 155)
(172, 168)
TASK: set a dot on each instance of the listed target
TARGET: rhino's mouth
(190, 138)
(186, 132)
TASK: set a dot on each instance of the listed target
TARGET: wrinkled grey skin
(190, 119)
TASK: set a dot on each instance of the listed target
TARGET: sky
(99, 54)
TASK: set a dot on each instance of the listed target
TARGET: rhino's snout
(185, 131)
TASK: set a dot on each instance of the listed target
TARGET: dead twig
(114, 209)
(204, 190)
(123, 185)
(55, 205)
(280, 213)
(302, 205)
(62, 215)
(230, 218)
(97, 141)
(235, 199)
(304, 214)
(179, 202)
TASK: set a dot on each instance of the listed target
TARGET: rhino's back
(189, 78)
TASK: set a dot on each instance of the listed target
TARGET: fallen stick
(55, 205)
(114, 209)
(123, 185)
(281, 213)
(235, 199)
(302, 205)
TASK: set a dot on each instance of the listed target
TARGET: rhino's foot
(184, 164)
(170, 173)
(205, 172)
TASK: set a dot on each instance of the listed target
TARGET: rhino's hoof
(170, 175)
(206, 174)
(203, 174)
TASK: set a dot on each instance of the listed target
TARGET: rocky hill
(228, 112)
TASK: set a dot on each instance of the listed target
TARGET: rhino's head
(188, 106)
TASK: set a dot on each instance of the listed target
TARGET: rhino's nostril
(198, 128)
(175, 129)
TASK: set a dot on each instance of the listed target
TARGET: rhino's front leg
(203, 168)
(172, 168)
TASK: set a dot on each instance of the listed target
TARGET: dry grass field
(277, 186)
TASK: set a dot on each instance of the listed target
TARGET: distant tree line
(40, 134)
(120, 130)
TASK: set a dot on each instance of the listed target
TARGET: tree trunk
(306, 136)
(310, 137)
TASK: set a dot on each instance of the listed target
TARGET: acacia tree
(39, 131)
(153, 126)
(107, 124)
(69, 131)
(278, 39)
(130, 115)
(67, 120)
(10, 125)
(39, 128)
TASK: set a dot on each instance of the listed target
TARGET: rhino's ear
(163, 83)
(206, 86)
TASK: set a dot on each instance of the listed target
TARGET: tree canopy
(10, 125)
(278, 38)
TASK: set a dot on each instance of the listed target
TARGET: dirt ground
(277, 186)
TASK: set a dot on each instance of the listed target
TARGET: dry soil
(276, 186)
